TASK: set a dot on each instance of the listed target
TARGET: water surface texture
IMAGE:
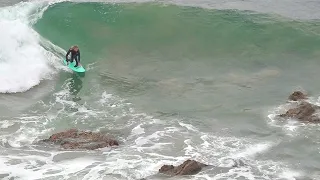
(171, 80)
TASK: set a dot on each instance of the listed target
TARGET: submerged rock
(303, 111)
(75, 139)
(189, 167)
(297, 95)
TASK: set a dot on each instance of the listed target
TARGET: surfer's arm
(79, 55)
(68, 54)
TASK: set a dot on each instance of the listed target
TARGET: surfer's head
(76, 48)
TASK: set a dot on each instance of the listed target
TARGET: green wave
(175, 33)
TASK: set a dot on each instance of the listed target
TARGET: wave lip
(24, 62)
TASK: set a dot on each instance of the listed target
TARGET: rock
(304, 109)
(304, 112)
(75, 139)
(189, 167)
(297, 95)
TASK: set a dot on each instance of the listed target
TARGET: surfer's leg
(71, 60)
(77, 62)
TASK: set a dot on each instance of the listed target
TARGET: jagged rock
(297, 95)
(75, 139)
(189, 167)
(304, 111)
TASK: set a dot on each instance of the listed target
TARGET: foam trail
(24, 62)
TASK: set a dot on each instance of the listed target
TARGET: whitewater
(162, 99)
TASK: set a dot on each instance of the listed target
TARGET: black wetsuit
(74, 55)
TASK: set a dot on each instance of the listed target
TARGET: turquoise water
(170, 82)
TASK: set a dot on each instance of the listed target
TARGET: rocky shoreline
(73, 139)
(76, 139)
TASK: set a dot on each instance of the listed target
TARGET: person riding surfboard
(75, 55)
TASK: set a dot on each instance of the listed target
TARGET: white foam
(229, 151)
(28, 169)
(189, 127)
(29, 129)
(290, 175)
(94, 173)
(5, 124)
(23, 61)
(149, 139)
(105, 98)
(252, 150)
(136, 131)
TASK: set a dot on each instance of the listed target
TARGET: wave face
(227, 34)
(219, 35)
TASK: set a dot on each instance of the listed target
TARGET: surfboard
(71, 66)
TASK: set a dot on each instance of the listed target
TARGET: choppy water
(171, 80)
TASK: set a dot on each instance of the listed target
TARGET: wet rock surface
(189, 167)
(297, 95)
(303, 110)
(76, 139)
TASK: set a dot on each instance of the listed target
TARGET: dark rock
(189, 167)
(75, 139)
(297, 95)
(304, 112)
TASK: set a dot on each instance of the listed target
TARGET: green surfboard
(71, 66)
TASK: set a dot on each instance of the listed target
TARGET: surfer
(75, 54)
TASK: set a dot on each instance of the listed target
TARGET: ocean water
(171, 80)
